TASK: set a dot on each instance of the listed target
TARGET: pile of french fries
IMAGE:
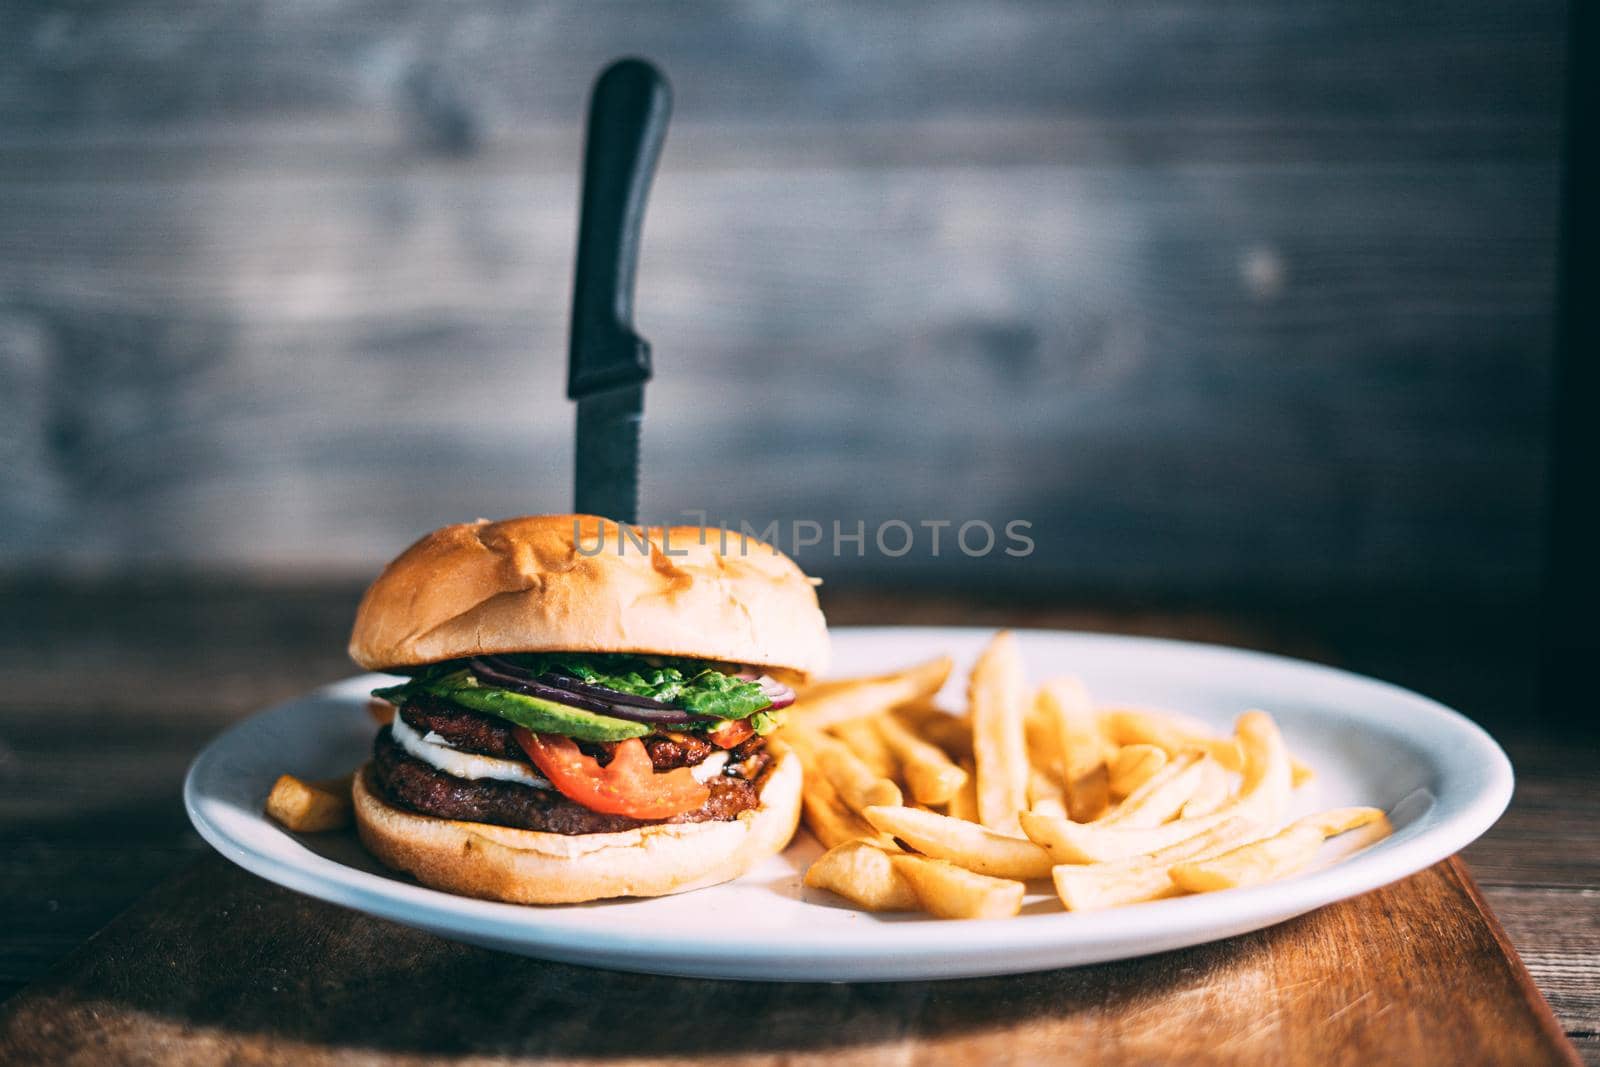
(922, 809)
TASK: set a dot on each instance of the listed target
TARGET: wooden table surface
(108, 689)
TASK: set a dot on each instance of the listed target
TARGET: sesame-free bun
(531, 867)
(577, 583)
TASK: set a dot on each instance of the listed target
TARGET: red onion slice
(495, 674)
(600, 692)
(497, 671)
(562, 689)
(780, 695)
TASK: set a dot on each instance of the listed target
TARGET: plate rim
(551, 931)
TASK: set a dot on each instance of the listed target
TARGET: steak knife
(608, 363)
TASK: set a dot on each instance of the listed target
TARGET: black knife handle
(628, 113)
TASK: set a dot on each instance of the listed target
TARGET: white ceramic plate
(1443, 780)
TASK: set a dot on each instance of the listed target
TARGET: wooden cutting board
(217, 965)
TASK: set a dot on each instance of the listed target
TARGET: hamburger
(585, 707)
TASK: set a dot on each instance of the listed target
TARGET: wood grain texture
(454, 77)
(1218, 299)
(329, 373)
(90, 816)
(221, 966)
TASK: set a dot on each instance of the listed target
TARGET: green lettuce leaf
(680, 683)
(686, 684)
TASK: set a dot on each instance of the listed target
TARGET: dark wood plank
(1550, 836)
(218, 965)
(59, 893)
(1558, 934)
(1185, 378)
(1480, 73)
(1224, 298)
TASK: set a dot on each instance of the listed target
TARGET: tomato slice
(628, 785)
(730, 733)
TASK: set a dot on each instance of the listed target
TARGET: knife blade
(608, 362)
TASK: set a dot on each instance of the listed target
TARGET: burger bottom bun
(531, 867)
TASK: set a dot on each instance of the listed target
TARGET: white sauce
(435, 752)
(710, 767)
(467, 765)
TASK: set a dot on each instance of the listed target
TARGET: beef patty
(460, 728)
(411, 783)
(471, 731)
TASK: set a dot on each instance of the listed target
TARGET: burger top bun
(579, 583)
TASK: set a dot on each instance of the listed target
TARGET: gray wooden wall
(1218, 295)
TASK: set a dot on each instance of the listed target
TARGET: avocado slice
(540, 716)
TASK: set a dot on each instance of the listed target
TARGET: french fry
(863, 874)
(1260, 861)
(929, 773)
(966, 844)
(1283, 854)
(1045, 794)
(951, 732)
(1044, 757)
(1134, 726)
(828, 703)
(1096, 886)
(1130, 726)
(1263, 798)
(857, 786)
(311, 807)
(1133, 766)
(1163, 795)
(1026, 784)
(1071, 842)
(1211, 793)
(1039, 734)
(1092, 886)
(1085, 777)
(861, 735)
(1336, 821)
(1264, 793)
(828, 818)
(951, 892)
(1044, 787)
(964, 805)
(996, 696)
